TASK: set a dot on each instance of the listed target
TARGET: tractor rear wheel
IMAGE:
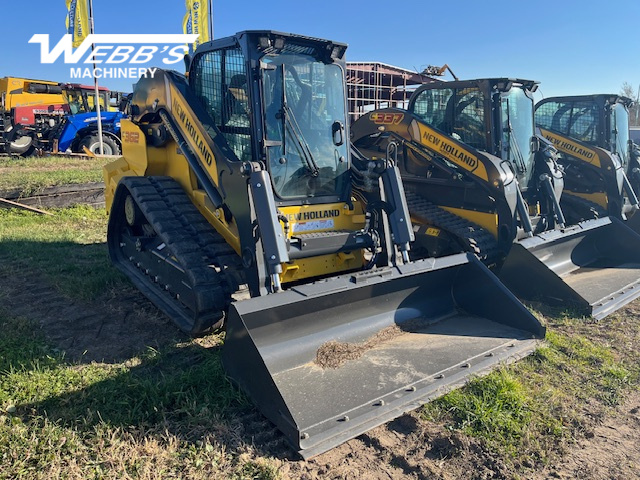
(22, 146)
(92, 142)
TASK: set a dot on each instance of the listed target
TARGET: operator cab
(598, 120)
(490, 115)
(295, 101)
(82, 98)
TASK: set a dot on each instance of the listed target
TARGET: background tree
(628, 91)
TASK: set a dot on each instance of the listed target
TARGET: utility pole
(637, 104)
(95, 81)
(210, 20)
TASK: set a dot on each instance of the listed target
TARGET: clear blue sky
(571, 47)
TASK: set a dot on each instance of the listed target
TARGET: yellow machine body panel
(406, 126)
(14, 92)
(133, 163)
(322, 218)
(488, 221)
(443, 144)
(599, 198)
(197, 138)
(569, 147)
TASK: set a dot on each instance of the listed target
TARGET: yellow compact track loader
(479, 179)
(240, 175)
(601, 167)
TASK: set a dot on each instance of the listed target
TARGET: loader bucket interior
(328, 361)
(633, 222)
(594, 266)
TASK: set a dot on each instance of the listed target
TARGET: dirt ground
(610, 451)
(113, 329)
(118, 327)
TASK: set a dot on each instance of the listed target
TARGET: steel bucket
(593, 266)
(328, 361)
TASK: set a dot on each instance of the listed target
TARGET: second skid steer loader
(601, 167)
(478, 179)
(241, 174)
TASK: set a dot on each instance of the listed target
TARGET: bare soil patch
(91, 193)
(121, 324)
(410, 448)
(610, 451)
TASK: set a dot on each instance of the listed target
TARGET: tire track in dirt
(117, 326)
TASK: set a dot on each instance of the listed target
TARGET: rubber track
(583, 203)
(193, 241)
(477, 239)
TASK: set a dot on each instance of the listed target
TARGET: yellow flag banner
(196, 20)
(77, 20)
(187, 24)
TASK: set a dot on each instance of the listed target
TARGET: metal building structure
(374, 85)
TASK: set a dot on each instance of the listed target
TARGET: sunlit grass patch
(32, 175)
(166, 414)
(529, 409)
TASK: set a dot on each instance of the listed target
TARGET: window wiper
(519, 159)
(293, 128)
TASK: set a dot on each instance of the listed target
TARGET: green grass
(49, 243)
(531, 409)
(165, 413)
(32, 175)
(162, 415)
(184, 384)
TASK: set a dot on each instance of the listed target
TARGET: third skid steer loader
(601, 167)
(477, 178)
(240, 174)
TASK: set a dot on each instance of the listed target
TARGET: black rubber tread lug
(161, 216)
(477, 240)
(211, 272)
(142, 190)
(583, 204)
(193, 218)
(153, 206)
(164, 226)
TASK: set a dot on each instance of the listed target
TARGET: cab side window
(220, 84)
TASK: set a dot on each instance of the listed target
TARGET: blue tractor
(78, 132)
